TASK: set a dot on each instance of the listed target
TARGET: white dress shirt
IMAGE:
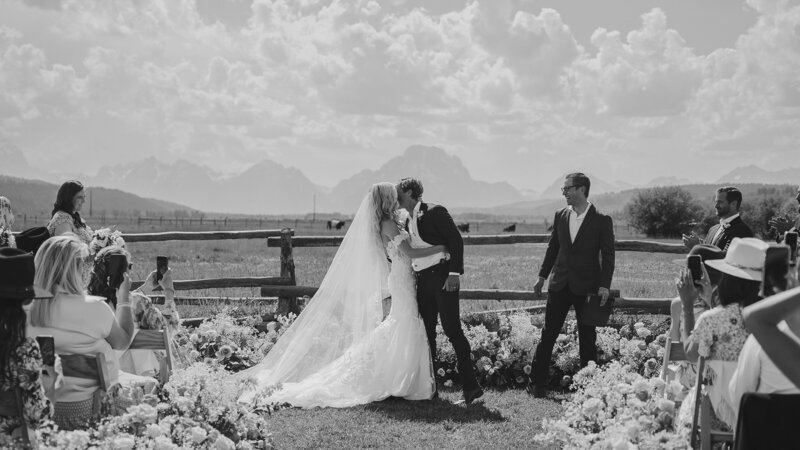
(576, 220)
(723, 224)
(755, 372)
(417, 242)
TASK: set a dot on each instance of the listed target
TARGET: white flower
(643, 332)
(448, 383)
(527, 369)
(164, 443)
(153, 431)
(223, 443)
(622, 444)
(125, 442)
(441, 372)
(211, 334)
(592, 406)
(633, 429)
(194, 338)
(198, 435)
(665, 405)
(194, 355)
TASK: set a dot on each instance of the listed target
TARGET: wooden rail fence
(285, 288)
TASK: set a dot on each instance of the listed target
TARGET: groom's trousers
(558, 305)
(434, 302)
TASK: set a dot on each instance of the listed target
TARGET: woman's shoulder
(59, 218)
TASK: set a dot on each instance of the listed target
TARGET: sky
(520, 90)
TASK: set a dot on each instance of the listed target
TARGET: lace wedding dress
(338, 353)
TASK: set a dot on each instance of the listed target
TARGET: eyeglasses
(567, 188)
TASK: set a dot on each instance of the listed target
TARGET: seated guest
(20, 358)
(704, 291)
(80, 324)
(727, 203)
(66, 212)
(99, 277)
(719, 334)
(6, 220)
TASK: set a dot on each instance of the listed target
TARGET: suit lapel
(565, 236)
(586, 223)
(423, 208)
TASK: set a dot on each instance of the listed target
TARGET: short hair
(732, 194)
(413, 185)
(579, 179)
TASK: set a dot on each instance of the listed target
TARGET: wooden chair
(155, 340)
(90, 368)
(673, 352)
(11, 405)
(703, 430)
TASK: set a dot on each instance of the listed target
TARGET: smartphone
(116, 266)
(47, 346)
(790, 239)
(776, 268)
(694, 263)
(162, 264)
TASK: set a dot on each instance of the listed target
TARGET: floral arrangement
(615, 407)
(503, 357)
(193, 410)
(236, 344)
(104, 237)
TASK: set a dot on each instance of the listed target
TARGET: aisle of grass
(503, 419)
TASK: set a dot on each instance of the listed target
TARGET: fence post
(287, 305)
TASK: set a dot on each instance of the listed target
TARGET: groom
(437, 278)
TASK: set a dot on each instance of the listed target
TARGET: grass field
(503, 420)
(486, 267)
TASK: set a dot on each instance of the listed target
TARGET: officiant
(580, 263)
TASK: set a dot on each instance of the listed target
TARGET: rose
(440, 372)
(224, 352)
(125, 442)
(592, 406)
(198, 435)
(194, 355)
(153, 431)
(527, 369)
(643, 332)
(665, 405)
(194, 338)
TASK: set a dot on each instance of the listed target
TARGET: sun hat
(707, 252)
(745, 259)
(16, 275)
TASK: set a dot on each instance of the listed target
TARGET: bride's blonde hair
(384, 198)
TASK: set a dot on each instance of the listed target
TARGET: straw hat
(745, 259)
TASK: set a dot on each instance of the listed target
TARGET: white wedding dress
(338, 353)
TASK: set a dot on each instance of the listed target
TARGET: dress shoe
(537, 391)
(472, 395)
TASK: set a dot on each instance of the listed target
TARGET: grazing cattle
(463, 227)
(340, 224)
(334, 223)
(511, 228)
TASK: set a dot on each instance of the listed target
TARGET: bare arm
(122, 329)
(61, 229)
(389, 231)
(688, 294)
(762, 319)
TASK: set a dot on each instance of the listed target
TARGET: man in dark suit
(727, 202)
(580, 256)
(437, 278)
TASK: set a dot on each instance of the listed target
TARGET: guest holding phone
(6, 220)
(108, 268)
(20, 357)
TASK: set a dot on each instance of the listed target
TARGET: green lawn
(499, 420)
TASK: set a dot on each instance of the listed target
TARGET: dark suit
(736, 228)
(436, 227)
(578, 268)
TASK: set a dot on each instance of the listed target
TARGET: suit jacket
(436, 227)
(586, 264)
(737, 228)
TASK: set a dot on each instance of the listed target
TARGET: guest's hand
(604, 294)
(537, 288)
(124, 290)
(686, 289)
(166, 280)
(705, 291)
(690, 240)
(781, 224)
(452, 283)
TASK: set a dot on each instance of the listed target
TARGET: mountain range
(269, 188)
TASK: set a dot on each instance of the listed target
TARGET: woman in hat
(20, 357)
(6, 220)
(67, 212)
(80, 324)
(719, 334)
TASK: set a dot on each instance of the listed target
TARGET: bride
(338, 352)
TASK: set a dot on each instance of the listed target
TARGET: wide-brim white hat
(745, 259)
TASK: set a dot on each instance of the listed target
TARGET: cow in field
(463, 227)
(334, 223)
(511, 228)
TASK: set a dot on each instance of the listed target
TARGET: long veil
(346, 307)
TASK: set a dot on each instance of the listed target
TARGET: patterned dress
(25, 372)
(60, 217)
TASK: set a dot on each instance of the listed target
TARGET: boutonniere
(420, 213)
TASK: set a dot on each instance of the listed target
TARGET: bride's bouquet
(104, 237)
